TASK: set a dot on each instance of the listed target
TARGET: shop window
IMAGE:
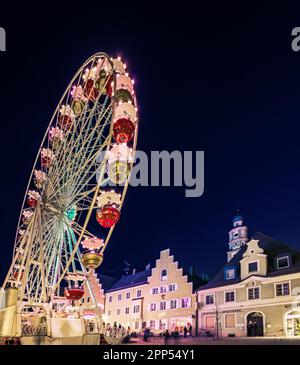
(152, 324)
(162, 325)
(209, 322)
(229, 320)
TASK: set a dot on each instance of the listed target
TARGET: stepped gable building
(160, 298)
(256, 293)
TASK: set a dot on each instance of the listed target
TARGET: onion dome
(47, 157)
(39, 178)
(33, 198)
(124, 123)
(92, 243)
(92, 259)
(56, 137)
(66, 117)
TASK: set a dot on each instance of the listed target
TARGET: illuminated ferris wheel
(90, 142)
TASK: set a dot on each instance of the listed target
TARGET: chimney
(148, 267)
(133, 271)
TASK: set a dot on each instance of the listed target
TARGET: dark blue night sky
(215, 78)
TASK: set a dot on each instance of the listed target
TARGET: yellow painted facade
(165, 302)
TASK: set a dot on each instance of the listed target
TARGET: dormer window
(253, 266)
(230, 273)
(283, 262)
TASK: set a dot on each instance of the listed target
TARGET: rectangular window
(118, 312)
(153, 307)
(209, 322)
(127, 310)
(128, 295)
(185, 302)
(119, 297)
(110, 299)
(155, 291)
(162, 325)
(229, 296)
(230, 274)
(136, 309)
(282, 289)
(162, 306)
(252, 266)
(282, 262)
(253, 293)
(163, 289)
(229, 320)
(172, 287)
(173, 304)
(138, 293)
(136, 325)
(152, 324)
(209, 299)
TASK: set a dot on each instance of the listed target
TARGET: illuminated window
(164, 275)
(253, 293)
(282, 262)
(282, 289)
(252, 266)
(209, 299)
(229, 321)
(209, 322)
(162, 325)
(230, 274)
(152, 324)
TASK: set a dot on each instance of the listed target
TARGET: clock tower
(238, 235)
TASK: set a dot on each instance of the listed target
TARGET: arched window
(164, 274)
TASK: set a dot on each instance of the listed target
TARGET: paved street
(225, 341)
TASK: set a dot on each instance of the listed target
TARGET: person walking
(166, 335)
(191, 330)
(185, 330)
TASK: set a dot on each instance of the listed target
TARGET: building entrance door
(255, 324)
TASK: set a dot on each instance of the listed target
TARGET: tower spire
(238, 235)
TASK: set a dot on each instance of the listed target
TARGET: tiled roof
(271, 248)
(128, 281)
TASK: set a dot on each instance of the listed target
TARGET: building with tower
(256, 292)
